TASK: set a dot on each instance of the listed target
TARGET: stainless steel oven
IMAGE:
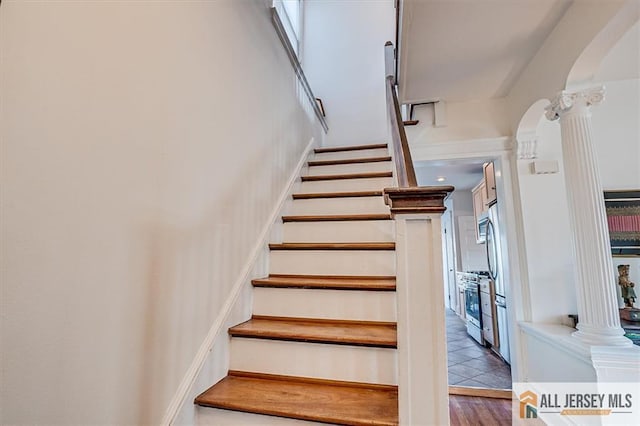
(474, 314)
(473, 306)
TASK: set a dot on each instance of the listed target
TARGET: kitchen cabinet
(479, 198)
(488, 309)
(489, 183)
(484, 195)
(479, 194)
(460, 308)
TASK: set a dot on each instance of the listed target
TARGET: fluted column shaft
(599, 320)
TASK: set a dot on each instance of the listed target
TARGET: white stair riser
(348, 205)
(325, 361)
(336, 169)
(217, 417)
(328, 304)
(342, 231)
(343, 155)
(343, 185)
(332, 262)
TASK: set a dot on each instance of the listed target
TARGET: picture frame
(623, 220)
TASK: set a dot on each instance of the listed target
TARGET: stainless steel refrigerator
(494, 260)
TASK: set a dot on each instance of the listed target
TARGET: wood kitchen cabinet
(488, 309)
(490, 183)
(479, 194)
(484, 194)
(460, 308)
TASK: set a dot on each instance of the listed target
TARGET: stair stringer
(211, 362)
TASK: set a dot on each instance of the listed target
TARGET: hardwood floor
(474, 411)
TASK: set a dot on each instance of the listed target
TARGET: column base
(611, 336)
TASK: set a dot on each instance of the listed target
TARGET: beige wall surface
(144, 147)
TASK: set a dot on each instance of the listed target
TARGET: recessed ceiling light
(441, 178)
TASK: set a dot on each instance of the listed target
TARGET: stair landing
(328, 401)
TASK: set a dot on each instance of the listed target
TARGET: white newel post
(423, 395)
(599, 321)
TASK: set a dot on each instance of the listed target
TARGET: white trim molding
(461, 149)
(527, 146)
(422, 353)
(615, 364)
(217, 327)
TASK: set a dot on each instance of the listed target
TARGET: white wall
(471, 256)
(550, 359)
(616, 132)
(480, 119)
(144, 146)
(616, 125)
(622, 61)
(547, 231)
(344, 62)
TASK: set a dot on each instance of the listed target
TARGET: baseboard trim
(480, 392)
(181, 395)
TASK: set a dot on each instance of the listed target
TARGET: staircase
(321, 344)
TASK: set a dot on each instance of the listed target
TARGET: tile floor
(470, 364)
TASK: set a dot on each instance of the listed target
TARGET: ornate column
(599, 321)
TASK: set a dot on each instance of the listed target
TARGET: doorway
(449, 267)
(473, 361)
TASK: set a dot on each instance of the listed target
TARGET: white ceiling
(458, 50)
(464, 174)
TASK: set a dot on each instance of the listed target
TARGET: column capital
(565, 101)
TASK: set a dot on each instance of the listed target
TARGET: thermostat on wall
(543, 167)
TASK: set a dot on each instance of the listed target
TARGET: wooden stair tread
(358, 333)
(304, 399)
(310, 195)
(365, 175)
(327, 282)
(336, 217)
(349, 148)
(333, 246)
(348, 161)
